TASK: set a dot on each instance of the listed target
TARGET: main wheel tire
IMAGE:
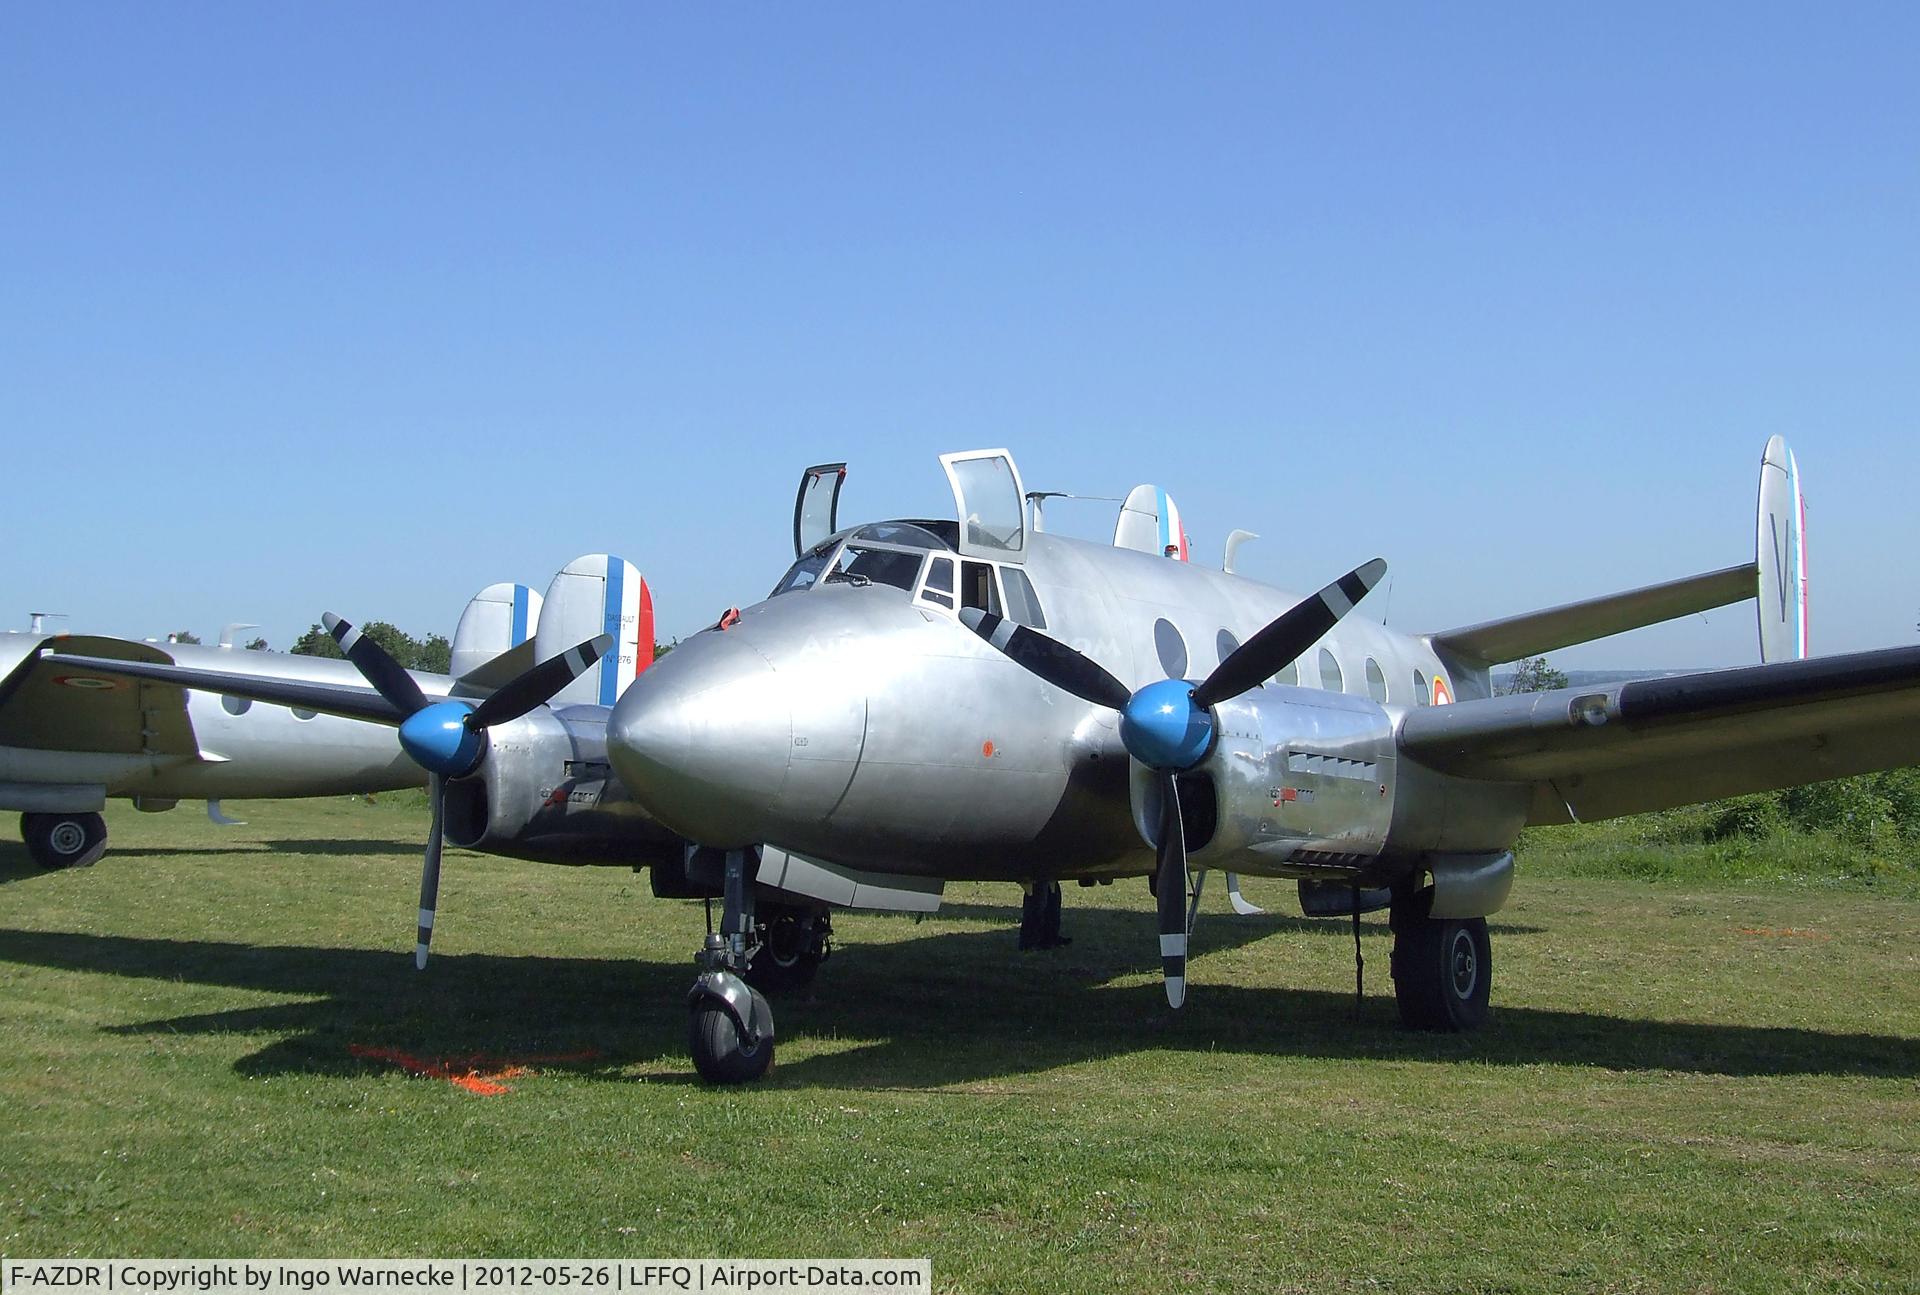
(719, 1054)
(792, 947)
(64, 840)
(1442, 971)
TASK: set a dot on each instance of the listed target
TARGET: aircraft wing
(1593, 753)
(51, 705)
(329, 698)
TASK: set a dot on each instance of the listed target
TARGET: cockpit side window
(1023, 604)
(938, 588)
(978, 587)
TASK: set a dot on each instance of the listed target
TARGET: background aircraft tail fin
(499, 618)
(1776, 577)
(1149, 523)
(598, 594)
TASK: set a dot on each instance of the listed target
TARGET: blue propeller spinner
(1168, 725)
(1162, 728)
(441, 740)
(448, 738)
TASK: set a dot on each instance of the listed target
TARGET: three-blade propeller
(1168, 725)
(448, 738)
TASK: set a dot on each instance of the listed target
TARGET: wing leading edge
(1592, 753)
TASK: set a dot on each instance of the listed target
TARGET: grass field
(1704, 1075)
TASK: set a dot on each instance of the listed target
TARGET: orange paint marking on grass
(477, 1073)
(1784, 933)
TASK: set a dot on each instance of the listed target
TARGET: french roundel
(88, 683)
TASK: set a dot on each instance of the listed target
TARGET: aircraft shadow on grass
(17, 865)
(949, 1008)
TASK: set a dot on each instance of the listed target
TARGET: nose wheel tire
(1442, 969)
(720, 1052)
(64, 840)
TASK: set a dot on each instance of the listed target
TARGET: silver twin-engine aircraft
(924, 700)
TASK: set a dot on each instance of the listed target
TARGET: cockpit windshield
(883, 553)
(866, 564)
(803, 573)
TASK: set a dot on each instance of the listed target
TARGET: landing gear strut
(1040, 917)
(730, 1030)
(1442, 967)
(64, 840)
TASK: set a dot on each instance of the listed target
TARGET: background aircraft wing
(48, 705)
(328, 698)
(1593, 753)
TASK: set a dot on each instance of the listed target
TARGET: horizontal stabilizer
(1654, 743)
(493, 673)
(1515, 638)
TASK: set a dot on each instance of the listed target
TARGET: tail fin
(1782, 556)
(1776, 577)
(500, 617)
(598, 594)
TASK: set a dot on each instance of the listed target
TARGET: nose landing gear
(730, 1030)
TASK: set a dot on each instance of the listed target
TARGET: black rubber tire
(718, 1054)
(1442, 969)
(64, 840)
(790, 953)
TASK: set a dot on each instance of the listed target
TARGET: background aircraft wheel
(793, 944)
(64, 840)
(1442, 968)
(718, 1052)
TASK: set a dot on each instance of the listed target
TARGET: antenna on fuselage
(1036, 505)
(37, 621)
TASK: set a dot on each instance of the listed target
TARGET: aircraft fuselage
(863, 724)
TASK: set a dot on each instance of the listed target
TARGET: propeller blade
(1050, 659)
(1170, 887)
(388, 677)
(532, 687)
(430, 873)
(1285, 638)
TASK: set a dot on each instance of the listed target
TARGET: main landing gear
(64, 840)
(1040, 917)
(730, 1030)
(1442, 967)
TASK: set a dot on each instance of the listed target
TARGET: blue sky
(361, 307)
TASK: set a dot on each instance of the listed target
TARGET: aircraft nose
(703, 743)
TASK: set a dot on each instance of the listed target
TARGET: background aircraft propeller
(448, 738)
(1168, 725)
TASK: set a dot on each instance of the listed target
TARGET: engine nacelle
(546, 792)
(1300, 782)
